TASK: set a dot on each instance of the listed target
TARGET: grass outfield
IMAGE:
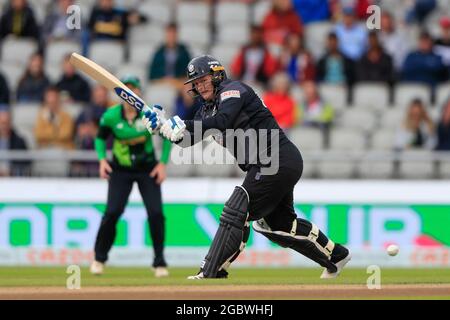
(57, 276)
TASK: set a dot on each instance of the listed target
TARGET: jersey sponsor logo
(230, 94)
(119, 126)
(130, 98)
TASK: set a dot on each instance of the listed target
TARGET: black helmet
(204, 65)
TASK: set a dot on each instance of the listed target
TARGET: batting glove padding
(153, 118)
(173, 129)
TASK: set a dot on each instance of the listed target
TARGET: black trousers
(119, 189)
(272, 196)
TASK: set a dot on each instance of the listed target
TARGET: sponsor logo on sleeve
(230, 94)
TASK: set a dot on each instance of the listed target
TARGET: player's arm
(104, 132)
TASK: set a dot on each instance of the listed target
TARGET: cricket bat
(96, 72)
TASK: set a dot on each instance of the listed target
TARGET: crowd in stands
(277, 57)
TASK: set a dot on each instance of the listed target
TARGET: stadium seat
(406, 92)
(392, 118)
(194, 34)
(347, 139)
(23, 120)
(51, 168)
(225, 53)
(163, 94)
(13, 73)
(375, 169)
(193, 12)
(260, 10)
(336, 95)
(57, 50)
(142, 54)
(383, 140)
(416, 164)
(230, 13)
(39, 8)
(237, 34)
(157, 11)
(133, 69)
(73, 109)
(54, 72)
(108, 54)
(362, 119)
(306, 138)
(316, 37)
(297, 94)
(442, 94)
(371, 95)
(146, 34)
(444, 172)
(329, 169)
(17, 51)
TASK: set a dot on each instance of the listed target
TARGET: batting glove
(173, 129)
(153, 118)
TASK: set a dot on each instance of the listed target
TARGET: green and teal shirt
(132, 145)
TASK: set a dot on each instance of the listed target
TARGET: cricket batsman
(231, 109)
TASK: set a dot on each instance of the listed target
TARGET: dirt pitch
(231, 292)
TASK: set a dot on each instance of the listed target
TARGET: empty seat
(17, 51)
(108, 54)
(237, 34)
(159, 12)
(316, 37)
(225, 54)
(57, 50)
(133, 69)
(307, 138)
(375, 169)
(23, 119)
(416, 164)
(329, 169)
(51, 168)
(162, 94)
(442, 94)
(54, 72)
(358, 119)
(229, 13)
(260, 10)
(383, 140)
(193, 12)
(371, 95)
(347, 139)
(142, 54)
(194, 34)
(13, 73)
(74, 109)
(444, 172)
(406, 92)
(146, 34)
(335, 95)
(392, 118)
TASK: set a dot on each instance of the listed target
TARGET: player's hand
(105, 169)
(173, 129)
(159, 173)
(153, 118)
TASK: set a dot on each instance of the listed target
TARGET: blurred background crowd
(351, 97)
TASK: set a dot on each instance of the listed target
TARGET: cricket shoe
(97, 268)
(161, 272)
(221, 274)
(340, 257)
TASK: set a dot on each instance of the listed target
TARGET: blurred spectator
(54, 127)
(4, 90)
(18, 19)
(254, 63)
(281, 21)
(424, 65)
(420, 10)
(312, 10)
(72, 83)
(110, 23)
(170, 60)
(55, 28)
(186, 106)
(296, 60)
(393, 39)
(352, 35)
(359, 7)
(334, 67)
(417, 131)
(33, 83)
(442, 45)
(279, 101)
(443, 129)
(314, 111)
(99, 103)
(10, 140)
(375, 65)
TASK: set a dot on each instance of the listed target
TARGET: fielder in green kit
(134, 160)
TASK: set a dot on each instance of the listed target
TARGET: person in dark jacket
(10, 140)
(376, 65)
(4, 90)
(170, 59)
(34, 82)
(73, 83)
(18, 19)
(443, 129)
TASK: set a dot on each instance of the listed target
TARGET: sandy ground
(229, 292)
